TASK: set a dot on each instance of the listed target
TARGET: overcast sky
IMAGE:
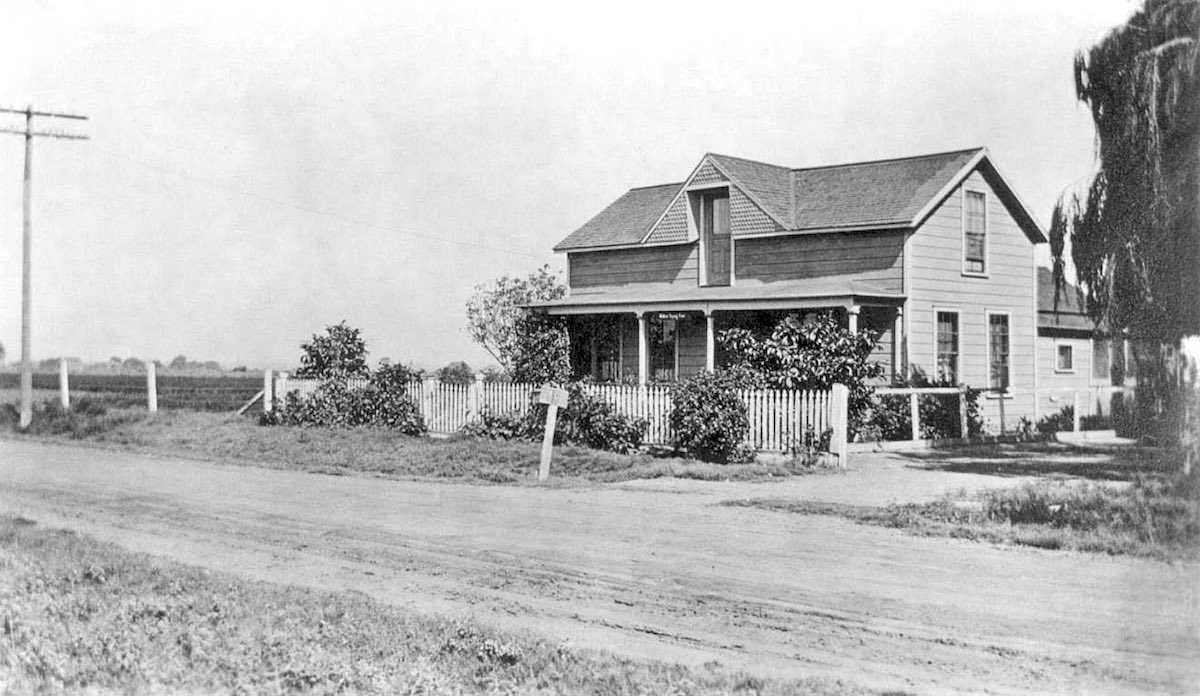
(258, 171)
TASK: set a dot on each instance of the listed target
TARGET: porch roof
(814, 293)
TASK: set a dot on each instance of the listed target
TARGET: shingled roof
(1069, 312)
(862, 195)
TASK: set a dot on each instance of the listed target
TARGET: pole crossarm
(48, 114)
(45, 134)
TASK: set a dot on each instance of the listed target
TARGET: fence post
(914, 410)
(476, 396)
(1075, 406)
(963, 431)
(268, 391)
(151, 387)
(64, 388)
(427, 399)
(840, 411)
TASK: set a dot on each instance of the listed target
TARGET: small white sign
(554, 396)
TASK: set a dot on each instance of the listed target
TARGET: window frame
(957, 342)
(1058, 348)
(702, 193)
(987, 261)
(987, 334)
(1106, 376)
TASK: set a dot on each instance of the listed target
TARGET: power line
(314, 211)
(27, 241)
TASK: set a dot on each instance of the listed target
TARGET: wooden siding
(881, 320)
(1050, 380)
(691, 345)
(875, 257)
(938, 283)
(669, 265)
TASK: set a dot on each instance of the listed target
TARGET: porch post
(643, 350)
(852, 317)
(710, 342)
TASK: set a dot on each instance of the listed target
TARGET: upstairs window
(998, 349)
(715, 239)
(975, 232)
(947, 347)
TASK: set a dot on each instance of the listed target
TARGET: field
(218, 392)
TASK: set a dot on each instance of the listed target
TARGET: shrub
(808, 355)
(587, 421)
(709, 418)
(384, 403)
(890, 417)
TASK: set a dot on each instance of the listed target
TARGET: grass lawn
(81, 616)
(239, 440)
(1155, 513)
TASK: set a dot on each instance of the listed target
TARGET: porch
(661, 334)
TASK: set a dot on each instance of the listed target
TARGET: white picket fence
(779, 419)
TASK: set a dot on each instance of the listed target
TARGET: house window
(975, 232)
(947, 347)
(998, 349)
(663, 340)
(1101, 364)
(715, 238)
(1064, 359)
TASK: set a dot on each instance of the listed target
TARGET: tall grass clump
(85, 419)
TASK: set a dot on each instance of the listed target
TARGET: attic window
(975, 232)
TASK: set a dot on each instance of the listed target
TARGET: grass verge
(1157, 515)
(78, 615)
(238, 440)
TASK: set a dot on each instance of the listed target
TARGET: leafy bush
(384, 403)
(587, 421)
(1064, 421)
(341, 352)
(808, 355)
(709, 418)
(890, 417)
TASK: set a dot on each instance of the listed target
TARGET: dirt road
(658, 569)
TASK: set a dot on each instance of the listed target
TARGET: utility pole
(27, 242)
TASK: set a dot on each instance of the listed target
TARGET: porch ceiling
(820, 292)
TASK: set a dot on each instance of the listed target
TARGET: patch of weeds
(1158, 515)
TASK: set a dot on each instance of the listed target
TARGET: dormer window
(716, 243)
(974, 233)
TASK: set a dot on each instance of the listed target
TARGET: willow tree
(1135, 234)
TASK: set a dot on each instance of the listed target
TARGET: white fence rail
(779, 419)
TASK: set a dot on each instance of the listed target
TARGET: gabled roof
(881, 194)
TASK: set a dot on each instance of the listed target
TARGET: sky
(258, 171)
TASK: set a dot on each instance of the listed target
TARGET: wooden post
(710, 342)
(1075, 406)
(852, 318)
(64, 387)
(554, 398)
(839, 413)
(643, 350)
(26, 416)
(151, 387)
(1001, 402)
(268, 391)
(963, 428)
(914, 410)
(476, 396)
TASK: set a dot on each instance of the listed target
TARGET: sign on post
(554, 398)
